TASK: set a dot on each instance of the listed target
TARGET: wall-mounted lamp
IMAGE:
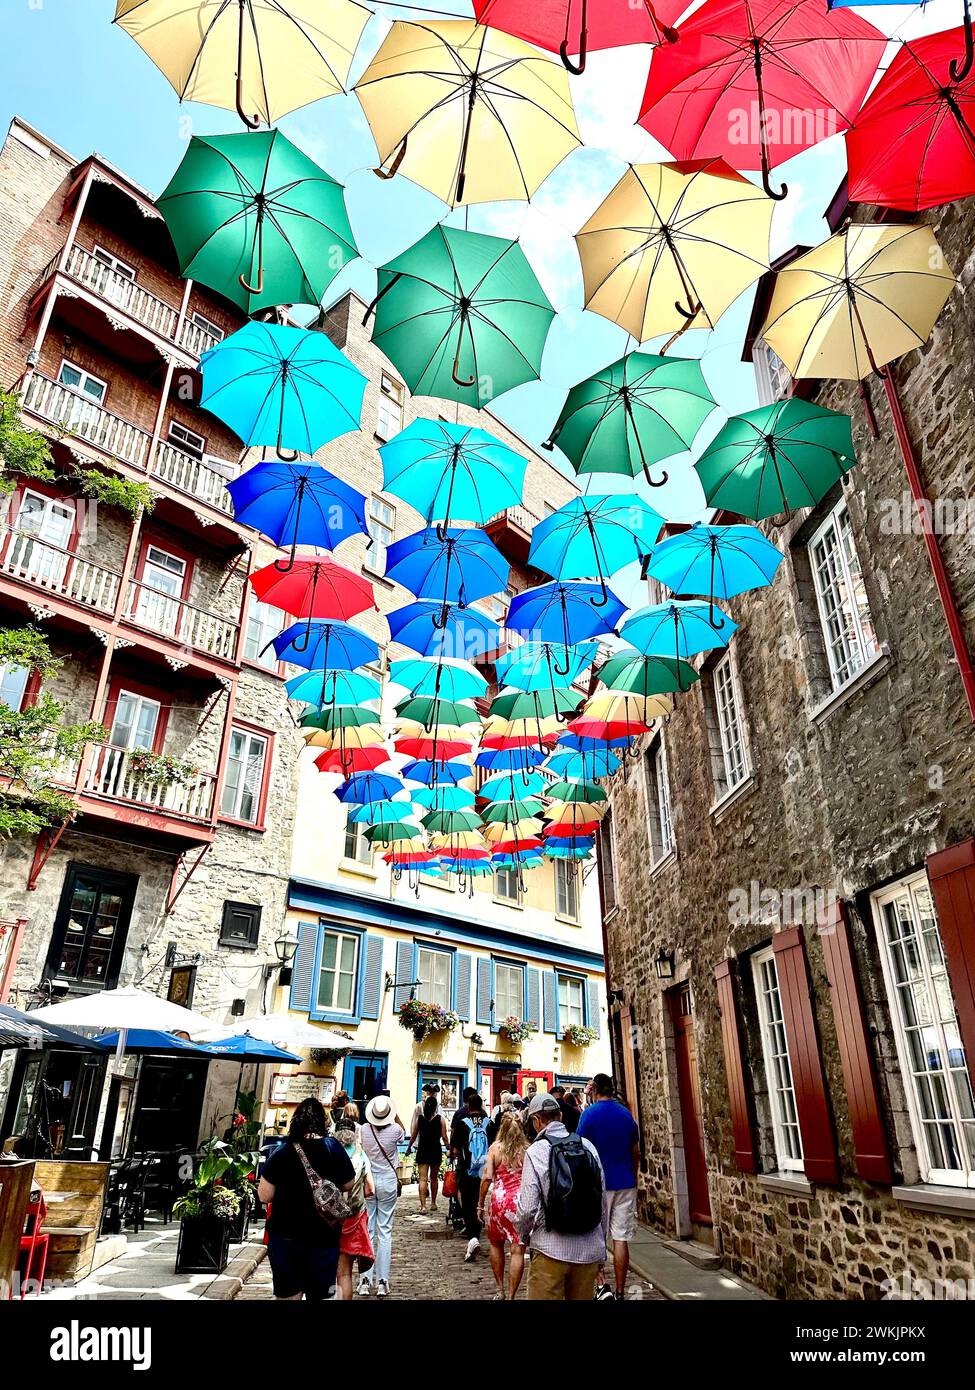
(664, 964)
(285, 949)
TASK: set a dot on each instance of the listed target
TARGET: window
(572, 1002)
(772, 377)
(45, 525)
(607, 862)
(160, 590)
(244, 777)
(91, 926)
(730, 725)
(434, 974)
(929, 1043)
(13, 685)
(186, 439)
(263, 624)
(658, 802)
(509, 991)
(207, 325)
(778, 1068)
(382, 526)
(389, 419)
(116, 280)
(135, 722)
(336, 980)
(240, 925)
(77, 379)
(506, 885)
(119, 267)
(357, 849)
(567, 889)
(844, 616)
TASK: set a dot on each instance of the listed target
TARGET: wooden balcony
(511, 531)
(82, 417)
(113, 775)
(52, 571)
(175, 620)
(191, 476)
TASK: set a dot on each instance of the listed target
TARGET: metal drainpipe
(956, 629)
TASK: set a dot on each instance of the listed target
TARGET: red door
(544, 1081)
(689, 1091)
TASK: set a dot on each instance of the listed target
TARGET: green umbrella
(462, 316)
(588, 792)
(508, 812)
(778, 457)
(429, 712)
(446, 822)
(632, 414)
(257, 220)
(536, 704)
(389, 831)
(632, 673)
(338, 717)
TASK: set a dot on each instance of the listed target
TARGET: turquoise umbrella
(679, 628)
(444, 798)
(535, 665)
(381, 812)
(333, 687)
(719, 561)
(511, 788)
(426, 676)
(451, 472)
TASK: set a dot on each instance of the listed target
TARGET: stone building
(788, 872)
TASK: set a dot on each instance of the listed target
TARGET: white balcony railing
(192, 476)
(197, 339)
(115, 775)
(86, 419)
(517, 516)
(122, 293)
(173, 618)
(50, 569)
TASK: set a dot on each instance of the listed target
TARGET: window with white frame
(244, 777)
(844, 615)
(337, 976)
(77, 379)
(509, 991)
(186, 439)
(13, 685)
(381, 520)
(567, 889)
(389, 418)
(772, 376)
(263, 624)
(356, 848)
(778, 1068)
(506, 885)
(929, 1045)
(572, 1002)
(607, 861)
(658, 802)
(209, 327)
(116, 280)
(433, 973)
(136, 721)
(731, 724)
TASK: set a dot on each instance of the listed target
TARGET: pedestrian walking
(428, 1089)
(502, 1182)
(354, 1241)
(614, 1133)
(560, 1208)
(571, 1113)
(470, 1139)
(381, 1136)
(302, 1247)
(429, 1134)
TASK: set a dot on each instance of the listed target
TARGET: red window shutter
(812, 1105)
(951, 873)
(856, 1055)
(741, 1117)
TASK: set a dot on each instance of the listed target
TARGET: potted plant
(423, 1019)
(242, 1138)
(514, 1029)
(579, 1035)
(161, 769)
(206, 1212)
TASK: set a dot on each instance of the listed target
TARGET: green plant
(209, 1194)
(114, 491)
(23, 452)
(515, 1029)
(579, 1035)
(161, 768)
(423, 1019)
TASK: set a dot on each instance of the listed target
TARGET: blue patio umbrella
(452, 472)
(250, 1049)
(379, 812)
(283, 387)
(583, 767)
(330, 646)
(522, 759)
(333, 687)
(298, 504)
(594, 536)
(719, 561)
(679, 628)
(533, 665)
(437, 772)
(565, 612)
(509, 788)
(466, 632)
(453, 564)
(438, 680)
(363, 787)
(151, 1040)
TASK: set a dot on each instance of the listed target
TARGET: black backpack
(574, 1205)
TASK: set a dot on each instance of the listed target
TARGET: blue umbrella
(508, 788)
(439, 773)
(331, 687)
(466, 632)
(298, 504)
(149, 1040)
(363, 787)
(453, 564)
(719, 561)
(438, 680)
(510, 759)
(251, 1049)
(570, 847)
(679, 628)
(330, 646)
(577, 743)
(452, 472)
(533, 665)
(444, 798)
(282, 387)
(382, 812)
(583, 767)
(566, 613)
(594, 536)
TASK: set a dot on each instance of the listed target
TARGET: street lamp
(664, 964)
(284, 948)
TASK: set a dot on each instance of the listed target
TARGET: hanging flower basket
(424, 1019)
(579, 1035)
(516, 1030)
(161, 768)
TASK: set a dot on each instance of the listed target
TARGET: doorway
(91, 925)
(691, 1121)
(493, 1078)
(364, 1075)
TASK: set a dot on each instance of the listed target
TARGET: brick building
(788, 875)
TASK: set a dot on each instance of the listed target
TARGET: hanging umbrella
(507, 812)
(446, 821)
(788, 454)
(525, 828)
(577, 793)
(534, 665)
(455, 733)
(719, 561)
(325, 645)
(520, 733)
(677, 630)
(381, 812)
(461, 316)
(333, 687)
(432, 772)
(575, 743)
(632, 414)
(521, 760)
(389, 832)
(257, 220)
(509, 788)
(579, 848)
(758, 81)
(570, 27)
(672, 246)
(445, 680)
(961, 66)
(468, 112)
(594, 536)
(864, 297)
(455, 564)
(339, 717)
(614, 708)
(537, 705)
(439, 749)
(466, 633)
(342, 739)
(582, 767)
(430, 713)
(349, 761)
(364, 787)
(298, 504)
(631, 672)
(268, 57)
(444, 798)
(565, 613)
(312, 589)
(283, 387)
(451, 472)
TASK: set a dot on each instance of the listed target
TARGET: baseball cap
(544, 1104)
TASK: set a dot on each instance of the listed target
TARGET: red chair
(34, 1243)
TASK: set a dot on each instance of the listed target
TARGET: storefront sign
(290, 1090)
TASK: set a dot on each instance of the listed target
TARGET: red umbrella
(314, 589)
(555, 832)
(503, 741)
(913, 144)
(758, 81)
(568, 26)
(607, 729)
(514, 846)
(349, 760)
(432, 749)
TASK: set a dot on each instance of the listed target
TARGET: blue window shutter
(483, 990)
(592, 1005)
(404, 971)
(372, 976)
(462, 979)
(303, 966)
(550, 1002)
(532, 995)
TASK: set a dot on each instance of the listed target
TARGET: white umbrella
(284, 1029)
(124, 1008)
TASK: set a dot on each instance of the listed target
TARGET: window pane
(729, 724)
(263, 623)
(845, 620)
(778, 1068)
(13, 683)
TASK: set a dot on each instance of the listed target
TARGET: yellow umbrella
(468, 112)
(457, 839)
(612, 706)
(672, 245)
(575, 812)
(524, 829)
(497, 727)
(448, 733)
(867, 295)
(263, 56)
(366, 736)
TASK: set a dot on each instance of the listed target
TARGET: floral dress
(505, 1186)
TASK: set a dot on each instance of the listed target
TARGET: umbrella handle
(661, 483)
(384, 291)
(558, 669)
(689, 314)
(287, 455)
(960, 70)
(252, 122)
(577, 69)
(390, 173)
(603, 599)
(460, 380)
(779, 194)
(253, 289)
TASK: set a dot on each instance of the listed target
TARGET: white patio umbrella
(122, 1009)
(287, 1030)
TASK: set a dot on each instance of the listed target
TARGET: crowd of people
(549, 1177)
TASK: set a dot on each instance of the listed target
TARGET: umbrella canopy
(251, 1049)
(149, 1040)
(363, 787)
(298, 504)
(594, 535)
(444, 798)
(430, 629)
(521, 759)
(454, 564)
(614, 706)
(677, 629)
(429, 713)
(314, 589)
(257, 220)
(348, 761)
(334, 687)
(544, 665)
(582, 767)
(631, 672)
(382, 812)
(507, 812)
(719, 561)
(452, 472)
(788, 454)
(577, 793)
(565, 613)
(389, 832)
(965, 59)
(283, 387)
(632, 414)
(744, 70)
(672, 246)
(344, 740)
(125, 1007)
(441, 821)
(510, 788)
(18, 1029)
(339, 717)
(260, 58)
(462, 316)
(864, 297)
(444, 680)
(437, 771)
(535, 705)
(325, 646)
(571, 27)
(468, 112)
(287, 1030)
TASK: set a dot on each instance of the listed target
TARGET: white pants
(381, 1209)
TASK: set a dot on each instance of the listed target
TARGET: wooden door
(689, 1092)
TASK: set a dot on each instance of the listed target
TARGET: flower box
(422, 1019)
(577, 1035)
(514, 1030)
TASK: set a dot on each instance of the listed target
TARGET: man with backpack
(470, 1139)
(560, 1208)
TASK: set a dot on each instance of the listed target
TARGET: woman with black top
(302, 1248)
(430, 1137)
